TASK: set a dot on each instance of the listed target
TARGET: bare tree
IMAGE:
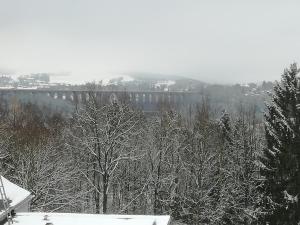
(104, 134)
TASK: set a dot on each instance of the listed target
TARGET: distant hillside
(229, 97)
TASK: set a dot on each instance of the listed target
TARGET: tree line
(199, 168)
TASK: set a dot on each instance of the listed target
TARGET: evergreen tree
(281, 158)
(225, 127)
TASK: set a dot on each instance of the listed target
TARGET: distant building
(34, 80)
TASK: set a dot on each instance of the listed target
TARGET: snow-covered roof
(15, 194)
(88, 219)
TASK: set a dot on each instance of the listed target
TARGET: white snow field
(39, 218)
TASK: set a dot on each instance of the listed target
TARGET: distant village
(31, 81)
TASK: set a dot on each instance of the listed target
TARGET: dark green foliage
(281, 158)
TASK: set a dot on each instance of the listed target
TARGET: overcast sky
(214, 41)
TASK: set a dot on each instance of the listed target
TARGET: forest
(209, 167)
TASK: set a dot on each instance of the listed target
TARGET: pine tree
(281, 158)
(225, 190)
(225, 127)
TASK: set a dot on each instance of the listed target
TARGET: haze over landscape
(157, 112)
(213, 41)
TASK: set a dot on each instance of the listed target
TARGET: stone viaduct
(147, 100)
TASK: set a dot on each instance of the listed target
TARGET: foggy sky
(213, 41)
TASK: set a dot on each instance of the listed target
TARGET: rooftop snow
(88, 219)
(14, 193)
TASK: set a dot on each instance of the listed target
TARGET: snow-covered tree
(103, 136)
(245, 147)
(162, 160)
(281, 158)
(34, 158)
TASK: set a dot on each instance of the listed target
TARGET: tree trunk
(105, 192)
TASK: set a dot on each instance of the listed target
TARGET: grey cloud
(216, 41)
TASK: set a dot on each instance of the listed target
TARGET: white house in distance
(20, 202)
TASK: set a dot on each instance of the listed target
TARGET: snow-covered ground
(88, 219)
(7, 87)
(105, 79)
(165, 83)
(114, 79)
